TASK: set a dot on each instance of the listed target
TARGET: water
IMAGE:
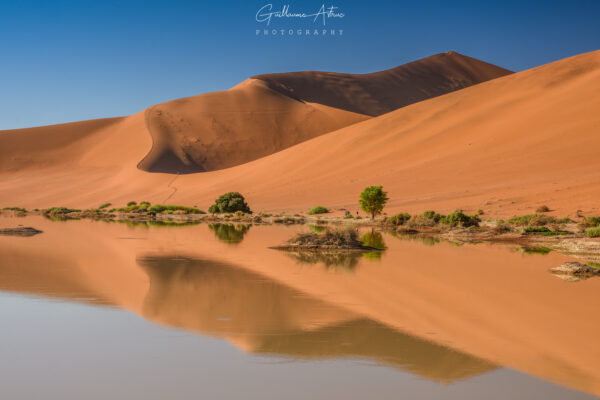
(101, 310)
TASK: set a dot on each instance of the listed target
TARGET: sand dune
(222, 129)
(380, 92)
(505, 146)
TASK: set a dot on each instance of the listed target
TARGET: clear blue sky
(71, 60)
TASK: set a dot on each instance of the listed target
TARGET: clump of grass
(480, 212)
(104, 205)
(428, 218)
(133, 207)
(593, 264)
(542, 209)
(537, 229)
(170, 209)
(590, 222)
(19, 209)
(318, 210)
(397, 219)
(502, 226)
(565, 220)
(131, 203)
(593, 232)
(60, 210)
(348, 216)
(265, 215)
(458, 218)
(532, 220)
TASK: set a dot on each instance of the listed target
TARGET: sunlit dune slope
(380, 92)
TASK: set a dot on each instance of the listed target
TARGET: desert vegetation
(318, 210)
(372, 200)
(230, 203)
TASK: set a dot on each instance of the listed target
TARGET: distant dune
(381, 92)
(505, 145)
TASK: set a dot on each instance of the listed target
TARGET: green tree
(230, 202)
(372, 200)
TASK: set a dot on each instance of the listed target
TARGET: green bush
(372, 200)
(229, 203)
(593, 232)
(318, 210)
(104, 205)
(398, 219)
(461, 219)
(131, 203)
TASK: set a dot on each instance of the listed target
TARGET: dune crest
(381, 92)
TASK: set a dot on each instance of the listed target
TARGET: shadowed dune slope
(380, 92)
(222, 129)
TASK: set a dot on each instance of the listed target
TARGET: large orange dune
(505, 145)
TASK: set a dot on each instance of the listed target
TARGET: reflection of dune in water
(263, 316)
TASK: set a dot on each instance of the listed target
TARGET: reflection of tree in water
(375, 240)
(230, 233)
(316, 228)
(345, 260)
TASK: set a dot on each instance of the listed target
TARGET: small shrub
(480, 212)
(318, 210)
(542, 209)
(229, 203)
(398, 219)
(104, 205)
(458, 218)
(593, 232)
(131, 203)
(265, 215)
(348, 216)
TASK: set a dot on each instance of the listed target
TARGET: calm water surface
(95, 310)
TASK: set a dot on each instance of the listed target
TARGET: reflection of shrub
(316, 228)
(343, 260)
(229, 203)
(398, 219)
(318, 210)
(593, 232)
(230, 233)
